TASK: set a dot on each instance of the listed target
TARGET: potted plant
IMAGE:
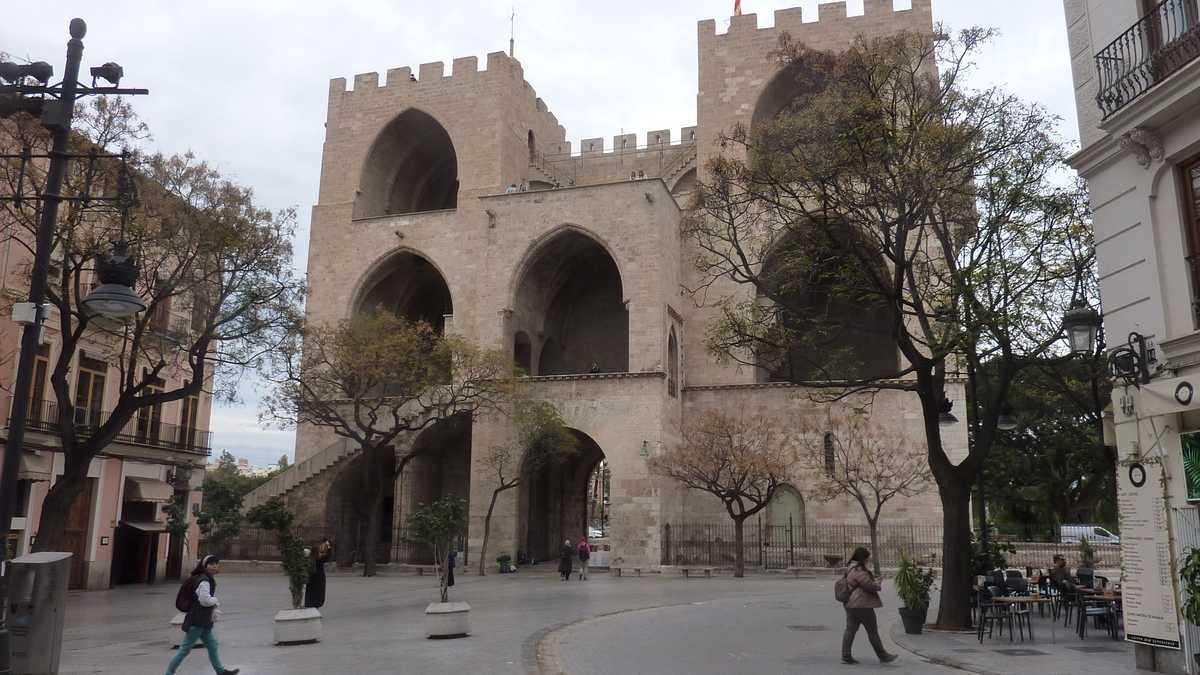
(438, 525)
(913, 585)
(1189, 574)
(297, 625)
(505, 563)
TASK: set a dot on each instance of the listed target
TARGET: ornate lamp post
(56, 104)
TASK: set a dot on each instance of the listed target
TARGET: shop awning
(146, 490)
(150, 527)
(34, 467)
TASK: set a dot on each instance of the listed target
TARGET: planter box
(914, 619)
(297, 626)
(447, 620)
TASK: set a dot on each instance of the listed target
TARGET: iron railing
(828, 544)
(254, 543)
(1159, 44)
(142, 429)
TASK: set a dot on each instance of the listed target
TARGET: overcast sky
(243, 84)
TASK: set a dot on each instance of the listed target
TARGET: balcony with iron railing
(1160, 44)
(142, 430)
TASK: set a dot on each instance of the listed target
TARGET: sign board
(1148, 593)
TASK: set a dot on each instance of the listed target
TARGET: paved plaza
(533, 623)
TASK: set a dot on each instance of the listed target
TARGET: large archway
(411, 167)
(825, 326)
(569, 301)
(563, 499)
(410, 286)
(441, 468)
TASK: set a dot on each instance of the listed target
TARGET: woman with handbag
(861, 606)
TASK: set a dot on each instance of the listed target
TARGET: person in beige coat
(860, 608)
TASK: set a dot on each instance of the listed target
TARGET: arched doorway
(347, 511)
(410, 286)
(569, 300)
(441, 467)
(785, 514)
(563, 499)
(411, 167)
(532, 148)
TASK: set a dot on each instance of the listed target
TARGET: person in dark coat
(860, 608)
(450, 561)
(565, 554)
(314, 590)
(198, 620)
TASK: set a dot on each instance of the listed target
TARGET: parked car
(1071, 534)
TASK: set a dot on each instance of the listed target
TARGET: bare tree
(375, 378)
(215, 272)
(849, 456)
(741, 460)
(540, 437)
(892, 206)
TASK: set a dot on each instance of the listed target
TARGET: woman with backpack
(860, 606)
(198, 601)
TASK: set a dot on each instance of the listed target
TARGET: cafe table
(1013, 600)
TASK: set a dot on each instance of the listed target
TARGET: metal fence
(829, 544)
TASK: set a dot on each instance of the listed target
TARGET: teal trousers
(185, 646)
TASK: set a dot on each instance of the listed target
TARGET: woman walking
(564, 559)
(860, 608)
(201, 613)
(314, 590)
(584, 551)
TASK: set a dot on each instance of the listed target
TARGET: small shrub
(913, 584)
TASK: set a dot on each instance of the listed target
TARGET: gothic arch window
(411, 167)
(672, 364)
(830, 454)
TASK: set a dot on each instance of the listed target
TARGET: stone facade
(581, 277)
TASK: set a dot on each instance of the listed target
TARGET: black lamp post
(55, 104)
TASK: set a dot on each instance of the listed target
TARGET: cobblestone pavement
(761, 624)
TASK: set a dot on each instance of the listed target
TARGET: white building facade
(1136, 67)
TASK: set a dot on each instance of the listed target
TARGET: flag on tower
(737, 7)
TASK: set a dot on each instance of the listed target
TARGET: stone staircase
(297, 474)
(545, 172)
(682, 162)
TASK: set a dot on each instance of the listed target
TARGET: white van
(1071, 534)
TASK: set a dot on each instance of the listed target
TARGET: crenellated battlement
(831, 17)
(622, 143)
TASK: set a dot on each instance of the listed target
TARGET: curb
(903, 641)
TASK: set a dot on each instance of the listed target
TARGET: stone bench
(686, 571)
(617, 571)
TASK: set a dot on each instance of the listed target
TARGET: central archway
(441, 468)
(558, 500)
(411, 167)
(411, 287)
(569, 303)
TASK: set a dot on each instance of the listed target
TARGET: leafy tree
(541, 437)
(283, 462)
(1054, 468)
(274, 516)
(848, 456)
(740, 460)
(378, 379)
(204, 250)
(890, 202)
(439, 525)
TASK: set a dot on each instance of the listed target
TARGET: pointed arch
(411, 167)
(672, 364)
(408, 283)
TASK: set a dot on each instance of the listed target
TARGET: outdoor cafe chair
(990, 613)
(1097, 610)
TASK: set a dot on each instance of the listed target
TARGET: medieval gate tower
(582, 272)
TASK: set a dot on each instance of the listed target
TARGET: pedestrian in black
(565, 554)
(450, 560)
(860, 608)
(314, 590)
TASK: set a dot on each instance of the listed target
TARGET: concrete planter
(297, 626)
(447, 620)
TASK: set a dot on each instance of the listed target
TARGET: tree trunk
(56, 508)
(954, 613)
(487, 530)
(739, 558)
(873, 525)
(443, 556)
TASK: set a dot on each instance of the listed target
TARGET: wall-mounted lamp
(1131, 362)
(645, 448)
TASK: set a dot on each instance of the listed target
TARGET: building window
(160, 315)
(24, 489)
(89, 391)
(187, 420)
(200, 310)
(37, 412)
(672, 365)
(830, 455)
(1191, 193)
(149, 418)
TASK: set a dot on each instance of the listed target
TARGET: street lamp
(56, 104)
(945, 416)
(1081, 323)
(114, 297)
